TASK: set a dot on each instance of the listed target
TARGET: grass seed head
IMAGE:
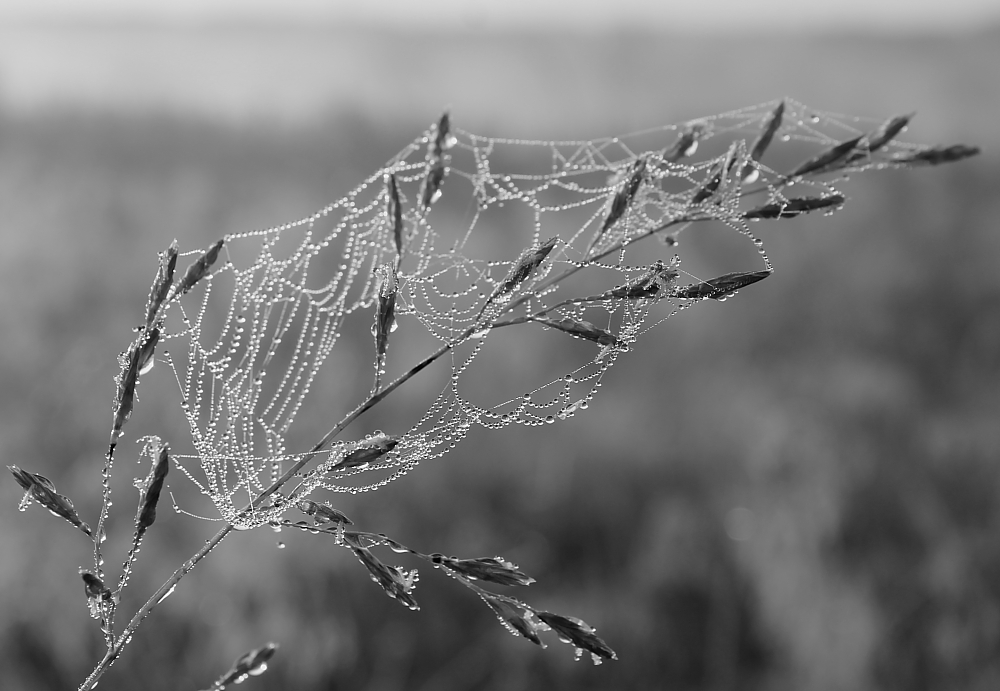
(515, 616)
(490, 569)
(686, 144)
(936, 155)
(767, 132)
(720, 287)
(530, 259)
(97, 593)
(154, 485)
(795, 206)
(367, 452)
(828, 159)
(394, 212)
(581, 329)
(626, 194)
(200, 268)
(323, 513)
(42, 490)
(161, 284)
(578, 633)
(395, 581)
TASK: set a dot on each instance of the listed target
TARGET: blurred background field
(794, 489)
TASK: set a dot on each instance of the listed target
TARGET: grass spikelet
(686, 144)
(530, 259)
(395, 581)
(394, 212)
(936, 155)
(581, 329)
(97, 593)
(885, 133)
(767, 132)
(154, 485)
(625, 195)
(385, 317)
(367, 452)
(146, 350)
(490, 569)
(443, 140)
(578, 633)
(41, 489)
(515, 616)
(828, 159)
(720, 287)
(249, 664)
(125, 396)
(649, 285)
(795, 206)
(161, 284)
(323, 513)
(200, 268)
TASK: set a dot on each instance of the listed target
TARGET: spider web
(258, 331)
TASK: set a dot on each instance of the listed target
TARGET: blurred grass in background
(796, 489)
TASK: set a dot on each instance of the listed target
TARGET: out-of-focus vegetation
(796, 489)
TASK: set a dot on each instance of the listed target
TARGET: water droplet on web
(481, 334)
(691, 149)
(549, 419)
(259, 669)
(786, 137)
(751, 177)
(814, 118)
(281, 545)
(148, 365)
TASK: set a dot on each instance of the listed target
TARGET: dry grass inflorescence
(247, 329)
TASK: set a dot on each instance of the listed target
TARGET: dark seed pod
(199, 269)
(827, 160)
(936, 155)
(43, 491)
(721, 286)
(581, 329)
(147, 508)
(162, 283)
(578, 633)
(795, 206)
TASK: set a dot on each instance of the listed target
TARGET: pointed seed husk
(43, 491)
(147, 509)
(199, 269)
(721, 286)
(795, 206)
(162, 283)
(578, 633)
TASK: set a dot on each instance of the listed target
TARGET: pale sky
(892, 16)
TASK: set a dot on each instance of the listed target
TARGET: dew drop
(281, 545)
(481, 334)
(786, 137)
(691, 149)
(751, 177)
(549, 419)
(167, 594)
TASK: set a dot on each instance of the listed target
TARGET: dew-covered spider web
(461, 239)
